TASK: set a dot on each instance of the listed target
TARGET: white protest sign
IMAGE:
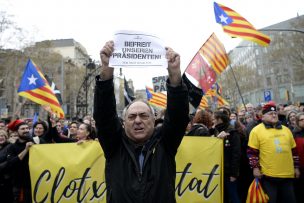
(137, 49)
(159, 83)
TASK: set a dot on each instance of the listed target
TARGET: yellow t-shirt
(275, 146)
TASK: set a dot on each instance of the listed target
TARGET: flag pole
(238, 87)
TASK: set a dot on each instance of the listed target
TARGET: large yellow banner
(75, 173)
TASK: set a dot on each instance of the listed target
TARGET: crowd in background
(232, 125)
(18, 135)
(237, 126)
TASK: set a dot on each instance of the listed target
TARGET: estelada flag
(237, 26)
(35, 87)
(157, 99)
(256, 193)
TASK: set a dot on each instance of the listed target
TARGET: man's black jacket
(125, 181)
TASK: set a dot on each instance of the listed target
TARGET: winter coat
(126, 181)
(198, 129)
(232, 149)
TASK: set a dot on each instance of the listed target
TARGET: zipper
(137, 167)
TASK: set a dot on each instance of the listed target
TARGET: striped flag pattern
(214, 97)
(156, 99)
(204, 103)
(237, 26)
(221, 101)
(214, 51)
(35, 87)
(256, 193)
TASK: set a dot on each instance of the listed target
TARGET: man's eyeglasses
(142, 116)
(302, 119)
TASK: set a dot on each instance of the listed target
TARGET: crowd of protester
(234, 126)
(18, 135)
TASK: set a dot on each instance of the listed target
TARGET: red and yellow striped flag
(214, 97)
(221, 101)
(214, 51)
(204, 103)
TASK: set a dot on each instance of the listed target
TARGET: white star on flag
(32, 80)
(209, 79)
(223, 19)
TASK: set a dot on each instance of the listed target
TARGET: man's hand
(79, 142)
(223, 135)
(173, 67)
(28, 145)
(232, 179)
(257, 173)
(105, 53)
(25, 151)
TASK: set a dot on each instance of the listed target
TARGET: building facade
(274, 72)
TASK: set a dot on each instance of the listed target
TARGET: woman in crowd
(84, 132)
(298, 134)
(201, 123)
(91, 122)
(6, 189)
(12, 137)
(232, 153)
(71, 131)
(41, 134)
(291, 119)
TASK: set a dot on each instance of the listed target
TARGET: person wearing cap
(17, 159)
(272, 156)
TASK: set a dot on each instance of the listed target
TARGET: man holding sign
(140, 159)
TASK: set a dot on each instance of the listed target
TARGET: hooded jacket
(126, 180)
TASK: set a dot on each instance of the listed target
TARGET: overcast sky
(183, 25)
